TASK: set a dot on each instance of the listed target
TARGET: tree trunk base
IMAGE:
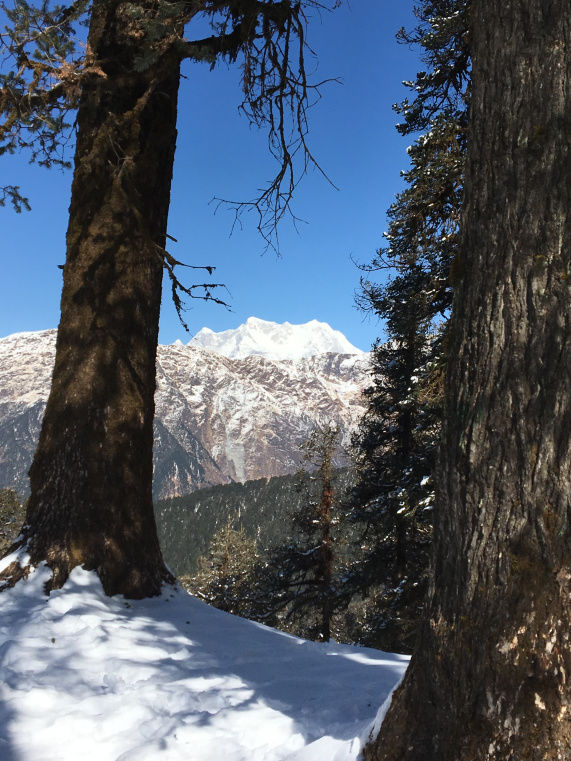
(132, 580)
(488, 686)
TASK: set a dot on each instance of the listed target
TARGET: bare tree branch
(277, 97)
(202, 291)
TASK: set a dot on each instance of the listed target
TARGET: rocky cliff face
(218, 419)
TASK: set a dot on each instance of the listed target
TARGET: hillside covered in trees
(263, 508)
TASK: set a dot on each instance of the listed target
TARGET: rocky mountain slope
(218, 419)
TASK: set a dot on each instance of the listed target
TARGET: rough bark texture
(91, 478)
(490, 678)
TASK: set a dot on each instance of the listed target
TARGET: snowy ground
(89, 678)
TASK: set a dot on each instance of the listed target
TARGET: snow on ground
(85, 677)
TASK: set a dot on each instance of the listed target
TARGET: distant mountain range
(230, 406)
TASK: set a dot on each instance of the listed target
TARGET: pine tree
(91, 478)
(393, 497)
(226, 574)
(396, 444)
(299, 582)
(489, 678)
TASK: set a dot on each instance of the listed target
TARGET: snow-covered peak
(274, 340)
(30, 338)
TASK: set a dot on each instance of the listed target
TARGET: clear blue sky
(218, 154)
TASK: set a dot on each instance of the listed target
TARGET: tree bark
(490, 677)
(91, 477)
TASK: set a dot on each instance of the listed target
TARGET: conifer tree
(393, 496)
(395, 446)
(226, 574)
(489, 677)
(299, 582)
(91, 478)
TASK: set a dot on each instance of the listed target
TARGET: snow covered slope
(275, 341)
(217, 419)
(94, 678)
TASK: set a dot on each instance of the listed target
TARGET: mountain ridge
(217, 420)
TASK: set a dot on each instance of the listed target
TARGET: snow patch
(171, 679)
(19, 556)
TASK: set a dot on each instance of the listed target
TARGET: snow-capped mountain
(275, 341)
(217, 419)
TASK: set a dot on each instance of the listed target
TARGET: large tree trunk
(490, 677)
(91, 478)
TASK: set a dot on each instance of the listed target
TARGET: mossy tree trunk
(490, 677)
(91, 477)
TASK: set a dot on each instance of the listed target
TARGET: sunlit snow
(274, 340)
(89, 678)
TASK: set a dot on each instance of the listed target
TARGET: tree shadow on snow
(323, 688)
(173, 672)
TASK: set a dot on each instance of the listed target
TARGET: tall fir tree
(392, 497)
(489, 677)
(396, 443)
(91, 478)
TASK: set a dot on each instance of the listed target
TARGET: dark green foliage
(11, 193)
(301, 575)
(393, 496)
(442, 33)
(12, 515)
(423, 226)
(187, 524)
(245, 548)
(397, 440)
(264, 508)
(39, 90)
(273, 520)
(226, 575)
(42, 85)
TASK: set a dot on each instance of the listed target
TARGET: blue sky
(219, 155)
